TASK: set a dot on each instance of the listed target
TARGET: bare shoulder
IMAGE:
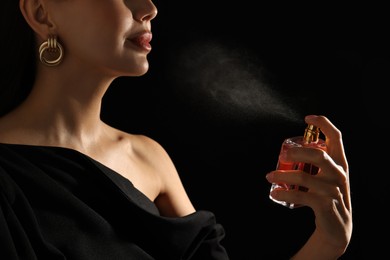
(172, 199)
(153, 154)
(146, 146)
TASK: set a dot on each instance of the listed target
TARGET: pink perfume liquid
(310, 139)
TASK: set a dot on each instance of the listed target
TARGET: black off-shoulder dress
(57, 203)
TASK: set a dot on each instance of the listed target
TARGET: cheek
(93, 40)
(98, 38)
(109, 32)
(116, 20)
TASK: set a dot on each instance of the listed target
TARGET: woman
(73, 187)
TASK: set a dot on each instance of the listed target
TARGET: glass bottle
(309, 139)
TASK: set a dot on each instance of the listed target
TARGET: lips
(143, 41)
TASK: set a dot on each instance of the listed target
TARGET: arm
(328, 194)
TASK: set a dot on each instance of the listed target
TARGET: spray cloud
(229, 83)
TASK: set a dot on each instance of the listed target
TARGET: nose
(143, 10)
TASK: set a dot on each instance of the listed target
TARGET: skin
(95, 54)
(328, 195)
(97, 51)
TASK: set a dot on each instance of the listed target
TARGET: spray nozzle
(312, 134)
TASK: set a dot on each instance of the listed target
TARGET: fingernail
(269, 176)
(310, 117)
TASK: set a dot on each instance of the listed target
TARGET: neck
(63, 110)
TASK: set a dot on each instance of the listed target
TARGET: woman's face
(109, 36)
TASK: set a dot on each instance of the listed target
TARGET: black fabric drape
(57, 203)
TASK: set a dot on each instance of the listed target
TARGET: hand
(328, 193)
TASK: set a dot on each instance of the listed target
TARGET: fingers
(316, 157)
(320, 188)
(334, 142)
(328, 182)
(328, 191)
(332, 178)
(335, 149)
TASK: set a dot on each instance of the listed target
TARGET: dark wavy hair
(18, 53)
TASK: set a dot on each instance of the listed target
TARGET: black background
(228, 81)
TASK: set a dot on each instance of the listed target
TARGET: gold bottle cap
(312, 134)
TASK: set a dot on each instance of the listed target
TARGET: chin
(134, 71)
(142, 70)
(139, 73)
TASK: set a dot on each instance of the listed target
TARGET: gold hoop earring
(51, 48)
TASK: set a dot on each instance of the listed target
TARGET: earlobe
(36, 16)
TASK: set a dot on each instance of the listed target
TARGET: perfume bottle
(309, 139)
